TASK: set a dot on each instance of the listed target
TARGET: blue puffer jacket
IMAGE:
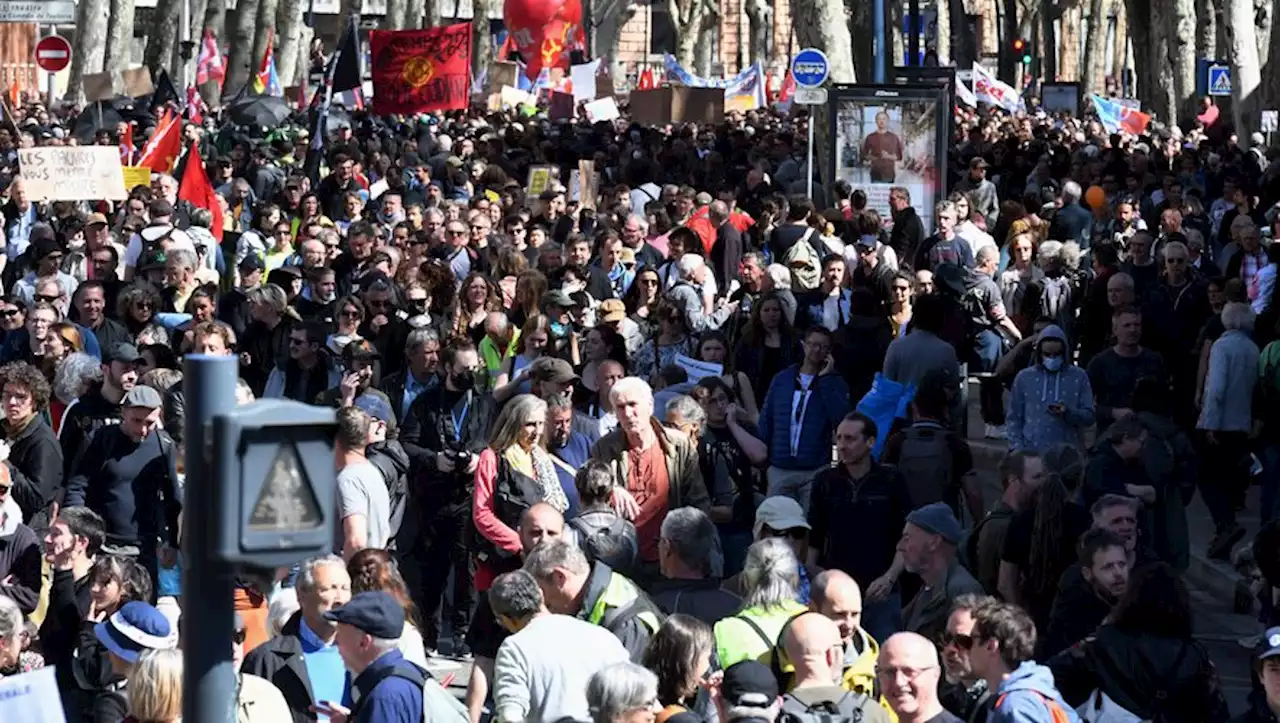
(826, 407)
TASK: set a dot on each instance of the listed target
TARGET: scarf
(537, 465)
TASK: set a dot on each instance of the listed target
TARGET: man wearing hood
(1001, 650)
(1052, 401)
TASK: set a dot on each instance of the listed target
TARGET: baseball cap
(46, 247)
(749, 683)
(1269, 646)
(781, 513)
(134, 628)
(627, 256)
(375, 407)
(125, 353)
(375, 613)
(867, 241)
(95, 219)
(612, 310)
(153, 259)
(556, 297)
(251, 263)
(556, 371)
(142, 396)
(937, 519)
(979, 162)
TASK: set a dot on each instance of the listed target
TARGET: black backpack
(852, 707)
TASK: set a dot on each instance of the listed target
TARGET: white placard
(601, 109)
(511, 97)
(44, 12)
(698, 370)
(31, 698)
(72, 173)
(583, 78)
(1270, 121)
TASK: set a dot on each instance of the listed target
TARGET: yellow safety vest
(616, 602)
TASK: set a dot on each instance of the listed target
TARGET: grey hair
(780, 276)
(272, 296)
(559, 401)
(244, 392)
(74, 372)
(1173, 246)
(688, 409)
(640, 220)
(11, 624)
(307, 571)
(1071, 255)
(1108, 501)
(419, 337)
(987, 253)
(1237, 315)
(619, 688)
(185, 258)
(1049, 251)
(55, 280)
(770, 575)
(689, 265)
(630, 385)
(515, 595)
(328, 235)
(1071, 191)
(385, 645)
(201, 217)
(755, 257)
(554, 554)
(153, 334)
(511, 420)
(739, 712)
(692, 537)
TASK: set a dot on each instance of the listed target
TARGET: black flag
(164, 92)
(346, 68)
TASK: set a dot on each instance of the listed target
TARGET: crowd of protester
(586, 443)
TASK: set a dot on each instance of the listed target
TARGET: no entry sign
(53, 53)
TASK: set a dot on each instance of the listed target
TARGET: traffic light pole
(879, 47)
(208, 586)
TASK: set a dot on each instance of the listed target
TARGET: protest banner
(136, 82)
(602, 109)
(698, 370)
(31, 697)
(135, 176)
(539, 181)
(512, 97)
(419, 71)
(584, 184)
(72, 173)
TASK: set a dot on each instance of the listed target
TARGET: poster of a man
(882, 150)
(891, 136)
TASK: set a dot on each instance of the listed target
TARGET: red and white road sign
(53, 53)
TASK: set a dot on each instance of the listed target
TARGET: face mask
(464, 381)
(559, 329)
(1053, 363)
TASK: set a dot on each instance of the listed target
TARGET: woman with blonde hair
(476, 298)
(155, 688)
(374, 570)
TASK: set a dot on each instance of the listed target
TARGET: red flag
(196, 189)
(162, 150)
(646, 81)
(210, 64)
(508, 47)
(126, 146)
(788, 88)
(544, 31)
(419, 71)
(195, 106)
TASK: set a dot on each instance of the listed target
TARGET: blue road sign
(810, 68)
(1219, 80)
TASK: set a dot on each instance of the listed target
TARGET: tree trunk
(860, 26)
(704, 50)
(1095, 48)
(1138, 18)
(268, 10)
(760, 23)
(942, 45)
(162, 36)
(1164, 100)
(91, 44)
(609, 34)
(690, 18)
(1069, 58)
(1207, 15)
(1246, 73)
(215, 19)
(1262, 22)
(396, 11)
(1120, 46)
(289, 28)
(1009, 65)
(481, 44)
(823, 24)
(431, 13)
(241, 65)
(119, 55)
(1181, 16)
(1047, 47)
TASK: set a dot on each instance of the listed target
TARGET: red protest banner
(418, 71)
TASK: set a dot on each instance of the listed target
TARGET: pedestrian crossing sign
(1219, 80)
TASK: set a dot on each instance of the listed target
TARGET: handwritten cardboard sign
(72, 173)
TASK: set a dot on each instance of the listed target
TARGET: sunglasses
(795, 533)
(351, 314)
(47, 297)
(964, 642)
(10, 313)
